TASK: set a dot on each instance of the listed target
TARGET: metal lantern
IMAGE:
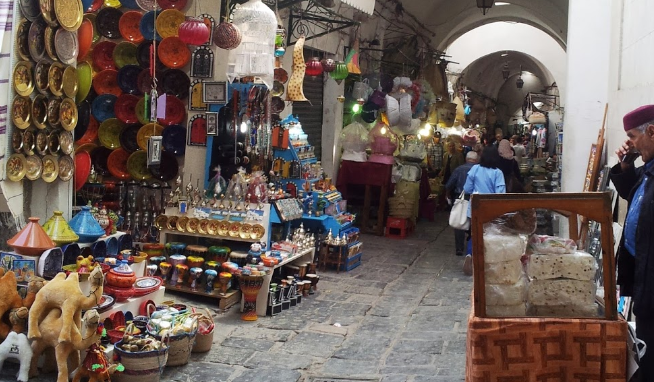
(314, 68)
(519, 83)
(328, 65)
(227, 36)
(194, 32)
(485, 5)
(340, 72)
(505, 71)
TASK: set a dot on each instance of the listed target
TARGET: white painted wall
(587, 85)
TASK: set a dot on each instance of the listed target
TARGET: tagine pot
(121, 276)
(85, 226)
(58, 230)
(31, 240)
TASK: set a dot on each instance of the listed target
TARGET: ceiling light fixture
(485, 5)
(500, 3)
(504, 54)
(519, 83)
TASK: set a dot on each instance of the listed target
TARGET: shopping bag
(459, 213)
(636, 349)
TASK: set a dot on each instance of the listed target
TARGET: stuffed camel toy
(64, 293)
(10, 299)
(16, 345)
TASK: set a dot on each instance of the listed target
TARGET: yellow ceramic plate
(203, 226)
(40, 111)
(109, 133)
(50, 168)
(34, 167)
(70, 82)
(168, 23)
(68, 114)
(137, 165)
(160, 222)
(21, 112)
(171, 224)
(192, 225)
(145, 132)
(181, 224)
(69, 14)
(41, 72)
(23, 79)
(16, 167)
(257, 231)
(56, 79)
(66, 168)
(212, 227)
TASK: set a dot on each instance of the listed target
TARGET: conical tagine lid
(31, 240)
(85, 226)
(58, 229)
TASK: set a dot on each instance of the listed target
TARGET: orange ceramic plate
(146, 132)
(129, 26)
(84, 38)
(173, 52)
(106, 82)
(117, 163)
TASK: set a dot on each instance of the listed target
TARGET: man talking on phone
(636, 251)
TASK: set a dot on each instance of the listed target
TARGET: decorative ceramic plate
(103, 55)
(66, 168)
(21, 112)
(129, 26)
(68, 114)
(125, 54)
(168, 23)
(106, 82)
(30, 8)
(34, 167)
(112, 3)
(17, 141)
(170, 4)
(174, 139)
(22, 39)
(117, 163)
(175, 82)
(36, 40)
(171, 224)
(66, 142)
(109, 133)
(83, 119)
(23, 79)
(49, 38)
(281, 75)
(82, 168)
(173, 52)
(128, 138)
(131, 4)
(278, 89)
(99, 158)
(181, 223)
(141, 115)
(69, 14)
(41, 145)
(84, 80)
(91, 133)
(147, 26)
(146, 285)
(40, 111)
(137, 165)
(48, 12)
(147, 5)
(56, 79)
(84, 38)
(70, 82)
(212, 227)
(145, 132)
(125, 108)
(29, 141)
(175, 112)
(53, 143)
(66, 46)
(87, 147)
(50, 168)
(277, 105)
(257, 231)
(107, 22)
(105, 303)
(102, 107)
(167, 169)
(16, 167)
(91, 18)
(127, 79)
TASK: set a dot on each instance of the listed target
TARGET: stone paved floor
(402, 317)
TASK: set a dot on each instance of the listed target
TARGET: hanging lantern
(294, 90)
(352, 59)
(505, 71)
(340, 72)
(314, 68)
(194, 32)
(328, 65)
(227, 36)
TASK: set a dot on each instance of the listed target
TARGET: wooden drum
(195, 255)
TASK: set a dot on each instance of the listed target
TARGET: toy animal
(95, 366)
(18, 347)
(65, 294)
(66, 353)
(10, 299)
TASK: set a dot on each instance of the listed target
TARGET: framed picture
(202, 62)
(215, 92)
(212, 123)
(7, 260)
(195, 102)
(197, 130)
(155, 143)
(25, 269)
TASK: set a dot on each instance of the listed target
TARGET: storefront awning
(367, 6)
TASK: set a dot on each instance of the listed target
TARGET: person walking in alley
(453, 188)
(636, 250)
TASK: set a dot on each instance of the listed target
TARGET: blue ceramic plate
(131, 4)
(174, 139)
(147, 26)
(127, 79)
(103, 107)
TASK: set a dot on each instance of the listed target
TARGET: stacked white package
(506, 283)
(576, 266)
(561, 292)
(500, 248)
(505, 272)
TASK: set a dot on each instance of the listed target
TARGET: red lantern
(328, 65)
(227, 36)
(314, 68)
(194, 32)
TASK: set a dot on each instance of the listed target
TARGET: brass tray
(212, 227)
(69, 13)
(41, 73)
(192, 225)
(66, 168)
(54, 106)
(244, 231)
(68, 114)
(49, 40)
(16, 167)
(181, 224)
(21, 112)
(40, 111)
(234, 229)
(56, 79)
(171, 224)
(42, 143)
(66, 142)
(23, 79)
(203, 226)
(50, 168)
(34, 167)
(29, 140)
(257, 231)
(17, 141)
(70, 82)
(161, 221)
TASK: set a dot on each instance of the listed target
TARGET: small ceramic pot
(122, 277)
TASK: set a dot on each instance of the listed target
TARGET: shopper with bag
(483, 178)
(454, 188)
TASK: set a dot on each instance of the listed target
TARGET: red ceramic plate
(82, 169)
(129, 26)
(117, 164)
(175, 111)
(173, 52)
(103, 55)
(125, 108)
(84, 38)
(91, 133)
(97, 4)
(171, 4)
(106, 82)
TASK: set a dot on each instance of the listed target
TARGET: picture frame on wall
(202, 62)
(195, 102)
(197, 130)
(212, 123)
(214, 92)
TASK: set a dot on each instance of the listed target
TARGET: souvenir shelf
(293, 157)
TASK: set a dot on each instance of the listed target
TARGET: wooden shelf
(207, 236)
(228, 299)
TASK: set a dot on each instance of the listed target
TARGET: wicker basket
(179, 347)
(203, 342)
(140, 366)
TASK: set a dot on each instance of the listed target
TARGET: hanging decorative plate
(146, 285)
(83, 119)
(21, 112)
(69, 13)
(56, 79)
(106, 82)
(277, 105)
(48, 12)
(70, 82)
(29, 141)
(212, 227)
(197, 131)
(82, 168)
(281, 75)
(66, 168)
(171, 4)
(22, 39)
(16, 167)
(91, 18)
(41, 74)
(278, 89)
(36, 40)
(127, 79)
(143, 54)
(173, 52)
(66, 45)
(107, 22)
(175, 112)
(137, 165)
(17, 141)
(53, 143)
(168, 23)
(181, 224)
(175, 82)
(129, 26)
(23, 79)
(174, 140)
(50, 168)
(211, 24)
(128, 138)
(103, 107)
(160, 222)
(40, 111)
(125, 54)
(147, 5)
(125, 108)
(99, 158)
(131, 4)
(103, 55)
(109, 133)
(145, 132)
(68, 114)
(91, 133)
(66, 142)
(84, 38)
(147, 26)
(31, 9)
(41, 145)
(49, 39)
(195, 102)
(141, 115)
(202, 63)
(117, 163)
(34, 167)
(84, 80)
(168, 168)
(112, 3)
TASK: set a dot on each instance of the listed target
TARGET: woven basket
(179, 347)
(140, 366)
(203, 342)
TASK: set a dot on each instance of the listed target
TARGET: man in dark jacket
(453, 188)
(636, 251)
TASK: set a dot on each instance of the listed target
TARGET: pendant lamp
(314, 67)
(340, 72)
(328, 65)
(194, 31)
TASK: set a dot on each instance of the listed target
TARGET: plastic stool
(397, 228)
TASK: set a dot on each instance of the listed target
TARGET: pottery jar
(122, 276)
